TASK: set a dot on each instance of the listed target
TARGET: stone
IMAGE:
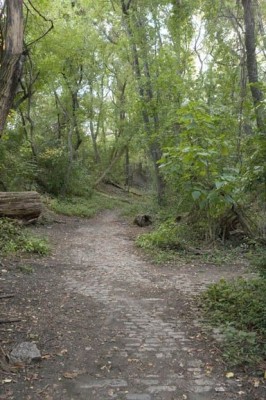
(25, 352)
(163, 388)
(138, 397)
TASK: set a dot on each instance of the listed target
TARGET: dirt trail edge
(111, 325)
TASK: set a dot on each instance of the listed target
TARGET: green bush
(166, 236)
(36, 245)
(15, 238)
(170, 235)
(241, 347)
(238, 308)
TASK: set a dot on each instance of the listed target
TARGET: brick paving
(145, 337)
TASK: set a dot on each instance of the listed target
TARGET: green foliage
(238, 308)
(199, 166)
(242, 347)
(36, 245)
(92, 99)
(167, 236)
(17, 169)
(84, 207)
(14, 238)
(258, 261)
(141, 205)
(59, 177)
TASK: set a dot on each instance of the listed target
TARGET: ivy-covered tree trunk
(252, 67)
(11, 63)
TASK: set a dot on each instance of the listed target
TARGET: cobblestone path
(144, 343)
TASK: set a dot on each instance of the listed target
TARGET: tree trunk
(11, 65)
(252, 67)
(127, 168)
(20, 205)
(114, 160)
(150, 118)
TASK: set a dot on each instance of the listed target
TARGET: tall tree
(252, 65)
(135, 22)
(11, 57)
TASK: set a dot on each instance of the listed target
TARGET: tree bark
(20, 205)
(11, 65)
(252, 67)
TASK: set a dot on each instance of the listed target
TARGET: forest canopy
(167, 96)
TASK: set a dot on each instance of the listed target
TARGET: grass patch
(84, 207)
(14, 238)
(165, 237)
(238, 309)
(141, 205)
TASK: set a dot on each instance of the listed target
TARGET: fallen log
(20, 205)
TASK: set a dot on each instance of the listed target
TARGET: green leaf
(196, 194)
(219, 184)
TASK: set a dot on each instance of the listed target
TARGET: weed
(258, 261)
(36, 245)
(166, 236)
(15, 238)
(238, 308)
(241, 347)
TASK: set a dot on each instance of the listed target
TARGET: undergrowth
(258, 261)
(84, 207)
(14, 238)
(171, 241)
(238, 309)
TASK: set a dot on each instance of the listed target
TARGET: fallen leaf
(256, 383)
(6, 380)
(208, 369)
(229, 375)
(46, 356)
(70, 375)
(62, 352)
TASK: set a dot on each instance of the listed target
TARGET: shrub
(164, 237)
(238, 308)
(15, 238)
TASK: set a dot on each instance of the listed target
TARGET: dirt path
(110, 325)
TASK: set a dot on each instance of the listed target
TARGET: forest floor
(109, 323)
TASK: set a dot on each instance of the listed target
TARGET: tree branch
(45, 19)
